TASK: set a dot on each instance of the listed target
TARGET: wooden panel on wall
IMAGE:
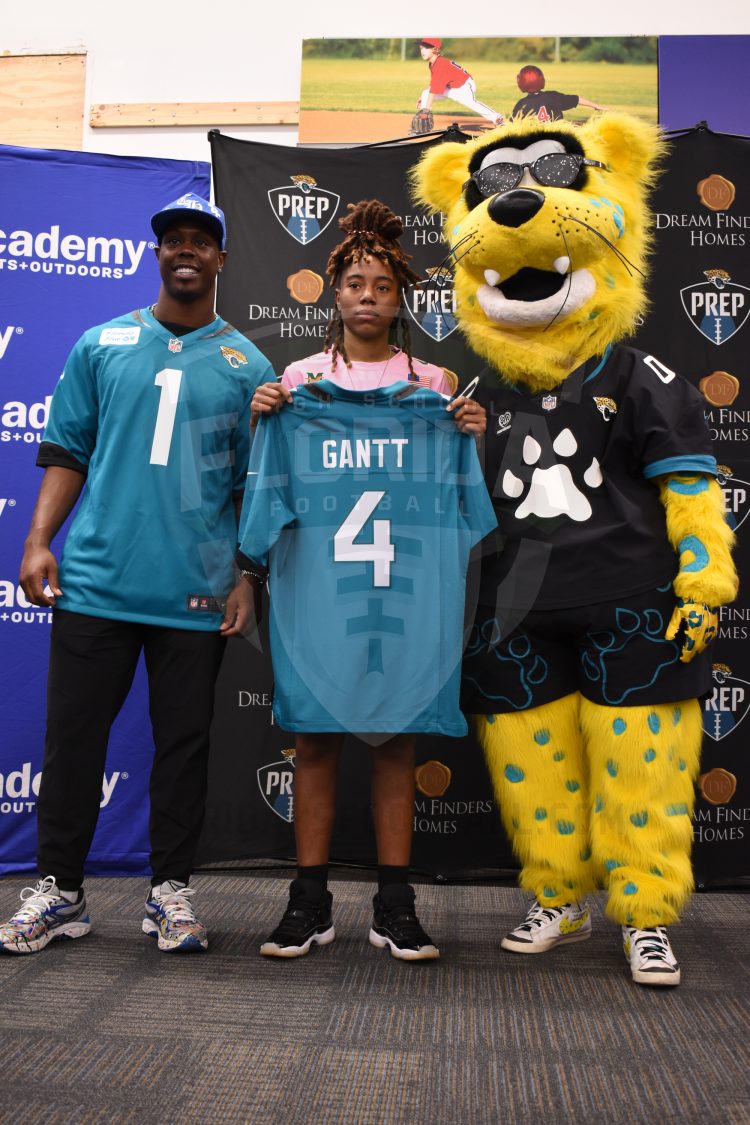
(141, 115)
(42, 100)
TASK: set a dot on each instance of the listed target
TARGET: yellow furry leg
(643, 763)
(536, 765)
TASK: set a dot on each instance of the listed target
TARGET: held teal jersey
(160, 426)
(365, 506)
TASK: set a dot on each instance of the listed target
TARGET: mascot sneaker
(171, 920)
(547, 926)
(43, 917)
(650, 956)
(395, 925)
(307, 921)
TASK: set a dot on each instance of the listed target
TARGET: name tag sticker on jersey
(120, 335)
(203, 603)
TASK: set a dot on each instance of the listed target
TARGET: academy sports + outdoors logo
(52, 251)
(304, 210)
(19, 789)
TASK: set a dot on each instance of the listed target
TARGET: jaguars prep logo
(736, 493)
(276, 783)
(432, 305)
(304, 210)
(718, 307)
(727, 705)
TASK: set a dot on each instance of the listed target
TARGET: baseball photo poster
(364, 90)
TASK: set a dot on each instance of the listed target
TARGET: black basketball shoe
(395, 924)
(306, 921)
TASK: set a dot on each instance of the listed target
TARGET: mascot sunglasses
(554, 169)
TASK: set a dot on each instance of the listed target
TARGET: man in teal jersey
(152, 415)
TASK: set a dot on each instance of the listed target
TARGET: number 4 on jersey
(380, 552)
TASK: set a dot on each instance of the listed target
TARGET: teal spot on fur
(639, 819)
(489, 719)
(619, 726)
(550, 892)
(656, 871)
(697, 549)
(542, 737)
(456, 230)
(682, 765)
(540, 814)
(566, 827)
(515, 822)
(585, 855)
(649, 756)
(599, 804)
(569, 885)
(654, 723)
(630, 889)
(612, 864)
(558, 756)
(676, 716)
(676, 810)
(630, 920)
(572, 786)
(514, 774)
(593, 315)
(612, 768)
(609, 281)
(688, 488)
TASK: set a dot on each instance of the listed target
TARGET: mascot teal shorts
(613, 653)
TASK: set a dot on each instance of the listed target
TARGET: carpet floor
(108, 1029)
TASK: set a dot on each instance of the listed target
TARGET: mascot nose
(514, 208)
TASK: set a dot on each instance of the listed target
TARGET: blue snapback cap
(191, 205)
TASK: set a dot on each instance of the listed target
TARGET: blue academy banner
(76, 248)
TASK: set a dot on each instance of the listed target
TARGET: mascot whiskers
(586, 661)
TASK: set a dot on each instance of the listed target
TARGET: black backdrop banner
(282, 205)
(700, 326)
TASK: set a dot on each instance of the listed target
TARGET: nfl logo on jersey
(304, 210)
(728, 704)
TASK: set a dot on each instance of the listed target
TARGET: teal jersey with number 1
(161, 424)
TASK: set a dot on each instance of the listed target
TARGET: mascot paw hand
(693, 626)
(422, 122)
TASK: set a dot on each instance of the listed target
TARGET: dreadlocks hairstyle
(372, 230)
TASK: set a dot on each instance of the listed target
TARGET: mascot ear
(439, 177)
(629, 146)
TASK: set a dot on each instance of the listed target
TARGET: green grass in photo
(393, 86)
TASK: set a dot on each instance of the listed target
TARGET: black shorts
(613, 653)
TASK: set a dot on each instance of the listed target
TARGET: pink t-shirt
(366, 376)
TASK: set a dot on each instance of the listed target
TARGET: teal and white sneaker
(544, 927)
(170, 918)
(44, 916)
(650, 956)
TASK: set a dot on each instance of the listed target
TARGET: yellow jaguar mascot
(587, 658)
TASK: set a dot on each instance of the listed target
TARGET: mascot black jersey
(365, 505)
(573, 477)
(160, 426)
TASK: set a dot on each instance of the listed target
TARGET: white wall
(230, 50)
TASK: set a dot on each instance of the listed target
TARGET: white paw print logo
(552, 492)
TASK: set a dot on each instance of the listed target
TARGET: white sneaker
(547, 926)
(650, 955)
(44, 916)
(170, 918)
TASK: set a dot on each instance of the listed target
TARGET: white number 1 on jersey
(380, 552)
(169, 379)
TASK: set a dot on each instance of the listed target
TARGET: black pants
(92, 664)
